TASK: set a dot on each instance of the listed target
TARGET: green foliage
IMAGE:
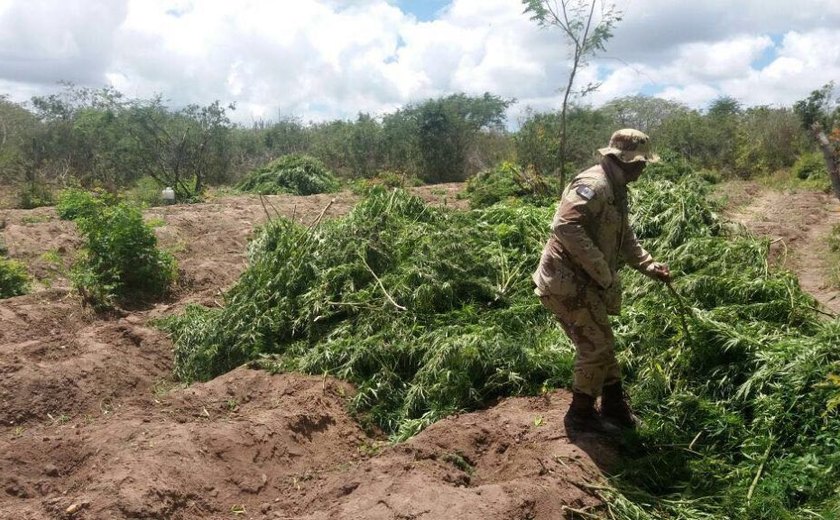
(539, 139)
(672, 167)
(447, 129)
(438, 140)
(99, 137)
(393, 179)
(76, 202)
(145, 192)
(387, 179)
(120, 262)
(768, 139)
(695, 137)
(740, 390)
(18, 128)
(35, 195)
(645, 113)
(430, 311)
(821, 107)
(426, 310)
(586, 35)
(294, 174)
(508, 181)
(185, 148)
(810, 166)
(14, 279)
(724, 106)
(834, 253)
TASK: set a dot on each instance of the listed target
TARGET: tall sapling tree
(586, 36)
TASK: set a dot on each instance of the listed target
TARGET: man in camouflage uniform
(577, 278)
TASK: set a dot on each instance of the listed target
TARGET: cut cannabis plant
(429, 311)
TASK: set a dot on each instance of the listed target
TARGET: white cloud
(691, 95)
(804, 62)
(653, 30)
(322, 59)
(722, 60)
(44, 42)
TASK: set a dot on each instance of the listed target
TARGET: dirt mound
(284, 446)
(211, 449)
(58, 361)
(512, 461)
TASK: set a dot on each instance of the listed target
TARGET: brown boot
(582, 416)
(614, 407)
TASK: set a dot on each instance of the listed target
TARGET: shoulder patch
(586, 192)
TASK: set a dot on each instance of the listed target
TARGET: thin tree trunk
(580, 47)
(830, 156)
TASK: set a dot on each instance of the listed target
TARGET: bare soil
(798, 224)
(92, 425)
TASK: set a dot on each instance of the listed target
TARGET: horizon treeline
(100, 137)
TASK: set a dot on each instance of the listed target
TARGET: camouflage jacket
(591, 235)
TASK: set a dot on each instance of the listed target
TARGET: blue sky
(424, 10)
(326, 59)
(770, 53)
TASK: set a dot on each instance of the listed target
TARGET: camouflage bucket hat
(629, 145)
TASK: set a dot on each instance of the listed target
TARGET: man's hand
(660, 272)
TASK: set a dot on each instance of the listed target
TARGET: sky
(319, 60)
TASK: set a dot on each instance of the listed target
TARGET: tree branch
(830, 157)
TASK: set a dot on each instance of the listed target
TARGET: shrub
(14, 280)
(294, 174)
(187, 191)
(35, 196)
(120, 262)
(509, 180)
(76, 202)
(809, 166)
(147, 192)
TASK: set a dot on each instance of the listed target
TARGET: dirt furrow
(799, 224)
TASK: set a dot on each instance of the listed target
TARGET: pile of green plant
(737, 422)
(507, 181)
(14, 280)
(119, 262)
(423, 309)
(430, 311)
(294, 174)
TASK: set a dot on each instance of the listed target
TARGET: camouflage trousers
(583, 317)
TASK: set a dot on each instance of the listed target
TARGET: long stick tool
(683, 309)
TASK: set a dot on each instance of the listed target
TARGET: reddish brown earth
(92, 426)
(798, 222)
